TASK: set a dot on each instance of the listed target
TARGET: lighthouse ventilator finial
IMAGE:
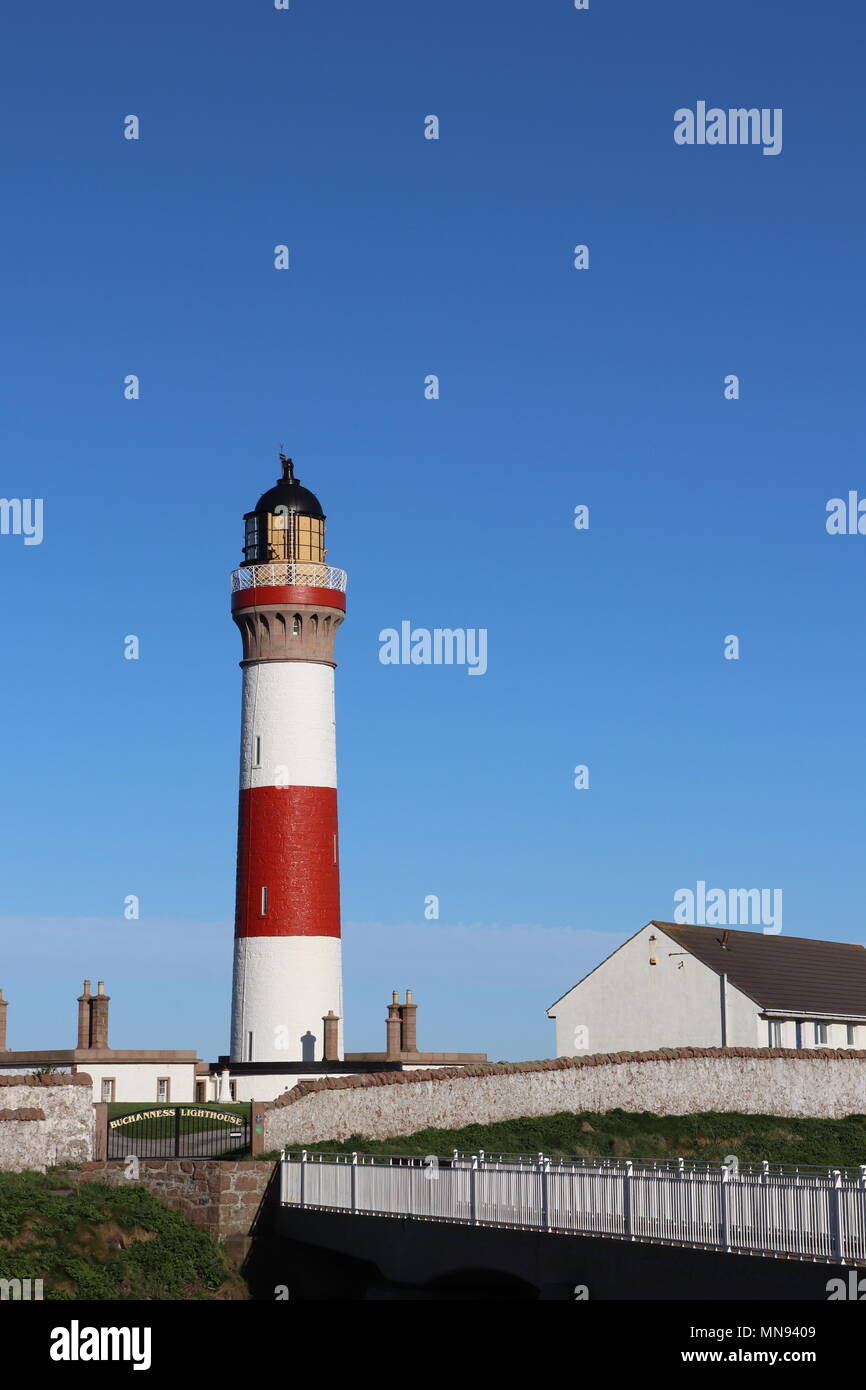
(288, 468)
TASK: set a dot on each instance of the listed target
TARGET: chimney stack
(394, 1029)
(401, 1025)
(4, 1005)
(84, 1017)
(409, 1033)
(99, 1017)
(331, 1049)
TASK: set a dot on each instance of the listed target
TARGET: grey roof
(794, 973)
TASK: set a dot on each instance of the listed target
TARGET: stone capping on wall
(78, 1078)
(24, 1112)
(596, 1059)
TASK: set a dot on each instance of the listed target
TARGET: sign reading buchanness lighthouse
(288, 605)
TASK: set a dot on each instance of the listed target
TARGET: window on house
(820, 1034)
(775, 1032)
(163, 1088)
(850, 1035)
(799, 1035)
(108, 1088)
(264, 902)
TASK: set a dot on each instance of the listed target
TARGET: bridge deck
(804, 1214)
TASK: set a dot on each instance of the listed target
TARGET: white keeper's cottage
(674, 985)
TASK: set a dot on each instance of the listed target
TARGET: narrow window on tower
(257, 751)
(264, 902)
(249, 1047)
(335, 849)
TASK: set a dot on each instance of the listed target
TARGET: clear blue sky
(558, 387)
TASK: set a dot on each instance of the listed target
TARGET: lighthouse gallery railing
(804, 1213)
(306, 575)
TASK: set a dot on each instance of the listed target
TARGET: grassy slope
(709, 1137)
(101, 1242)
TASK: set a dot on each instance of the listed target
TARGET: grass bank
(97, 1242)
(619, 1134)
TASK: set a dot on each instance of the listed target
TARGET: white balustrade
(805, 1213)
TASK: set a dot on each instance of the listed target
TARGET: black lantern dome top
(287, 525)
(289, 495)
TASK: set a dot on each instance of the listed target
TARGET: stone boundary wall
(220, 1196)
(821, 1082)
(45, 1121)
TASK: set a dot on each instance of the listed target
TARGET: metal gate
(178, 1131)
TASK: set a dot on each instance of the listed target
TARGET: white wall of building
(628, 1005)
(266, 1087)
(837, 1034)
(137, 1081)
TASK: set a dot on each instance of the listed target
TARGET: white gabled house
(673, 985)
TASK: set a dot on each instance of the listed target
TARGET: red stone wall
(220, 1197)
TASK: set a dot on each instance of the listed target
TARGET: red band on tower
(288, 594)
(287, 844)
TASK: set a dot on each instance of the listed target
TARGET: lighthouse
(287, 997)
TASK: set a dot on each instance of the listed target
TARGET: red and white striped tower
(288, 604)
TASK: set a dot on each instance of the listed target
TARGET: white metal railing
(805, 1213)
(309, 575)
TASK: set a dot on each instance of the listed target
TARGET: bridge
(804, 1213)
(621, 1227)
